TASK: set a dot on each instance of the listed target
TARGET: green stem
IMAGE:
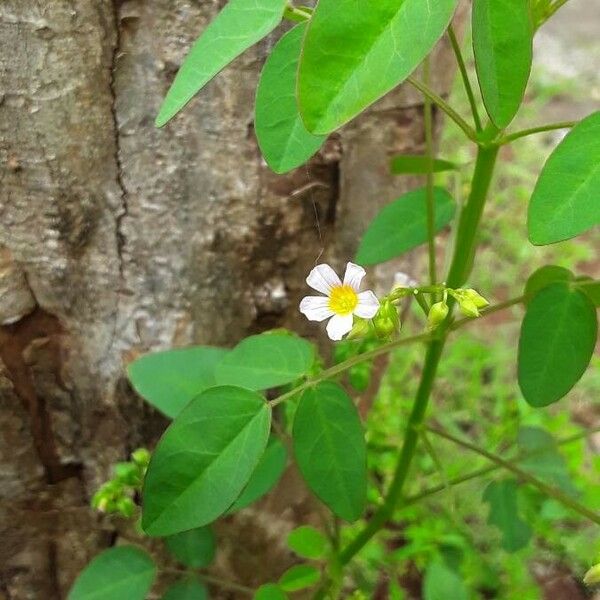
(491, 468)
(465, 77)
(507, 139)
(444, 106)
(459, 271)
(428, 123)
(468, 224)
(549, 490)
(297, 14)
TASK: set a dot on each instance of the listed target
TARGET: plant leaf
(502, 497)
(193, 548)
(241, 24)
(557, 340)
(355, 52)
(330, 449)
(543, 277)
(204, 460)
(503, 47)
(419, 164)
(265, 477)
(120, 573)
(565, 199)
(299, 577)
(591, 289)
(186, 589)
(441, 583)
(264, 361)
(402, 225)
(308, 542)
(269, 591)
(169, 380)
(284, 141)
(544, 460)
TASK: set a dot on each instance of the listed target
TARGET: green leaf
(269, 591)
(592, 577)
(441, 583)
(193, 548)
(266, 475)
(402, 225)
(121, 573)
(284, 141)
(355, 52)
(565, 199)
(169, 380)
(504, 514)
(543, 277)
(591, 289)
(308, 542)
(557, 340)
(241, 24)
(419, 164)
(299, 577)
(503, 47)
(186, 589)
(265, 361)
(544, 460)
(204, 460)
(330, 449)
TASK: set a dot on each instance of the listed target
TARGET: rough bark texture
(117, 238)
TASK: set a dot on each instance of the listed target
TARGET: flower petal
(339, 326)
(315, 308)
(354, 275)
(322, 278)
(368, 305)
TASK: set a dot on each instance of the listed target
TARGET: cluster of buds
(469, 302)
(116, 496)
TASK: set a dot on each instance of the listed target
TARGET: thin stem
(444, 106)
(428, 122)
(507, 139)
(345, 365)
(426, 493)
(465, 77)
(296, 13)
(459, 270)
(549, 490)
(222, 583)
(384, 349)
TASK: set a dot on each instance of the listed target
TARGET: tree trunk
(117, 238)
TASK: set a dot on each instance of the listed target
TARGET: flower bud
(126, 506)
(386, 321)
(478, 300)
(468, 308)
(437, 314)
(592, 577)
(141, 457)
(360, 329)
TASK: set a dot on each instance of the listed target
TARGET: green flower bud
(476, 298)
(126, 506)
(437, 314)
(386, 321)
(468, 308)
(141, 457)
(592, 577)
(127, 473)
(359, 329)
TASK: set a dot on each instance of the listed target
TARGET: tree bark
(117, 238)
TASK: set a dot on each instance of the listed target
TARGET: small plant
(222, 451)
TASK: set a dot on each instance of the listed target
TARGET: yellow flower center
(343, 300)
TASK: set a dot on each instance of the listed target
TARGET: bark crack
(124, 208)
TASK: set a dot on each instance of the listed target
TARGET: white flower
(341, 301)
